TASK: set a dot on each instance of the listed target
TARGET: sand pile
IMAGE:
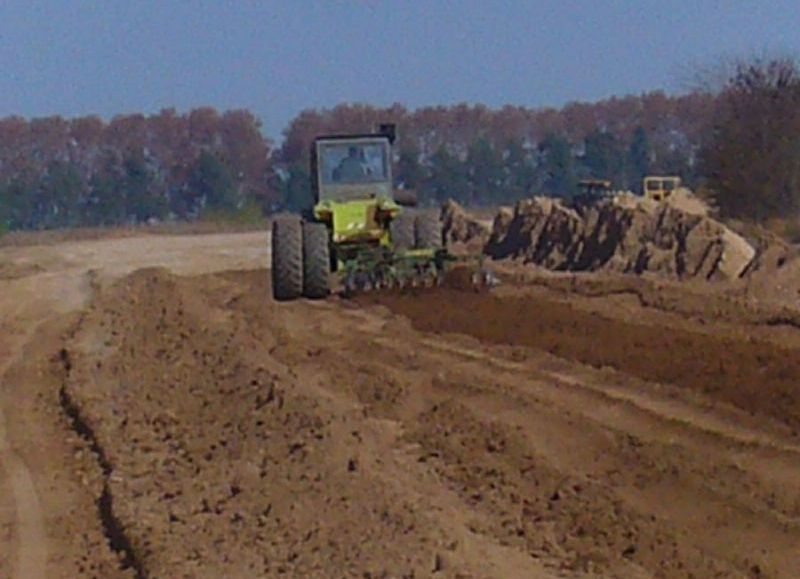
(462, 232)
(627, 235)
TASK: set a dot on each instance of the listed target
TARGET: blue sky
(279, 57)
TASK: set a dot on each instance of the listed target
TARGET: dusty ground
(164, 418)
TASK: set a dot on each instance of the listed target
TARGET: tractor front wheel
(316, 261)
(287, 258)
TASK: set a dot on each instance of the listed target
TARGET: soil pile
(686, 201)
(624, 235)
(462, 232)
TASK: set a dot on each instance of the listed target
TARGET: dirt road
(176, 422)
(39, 286)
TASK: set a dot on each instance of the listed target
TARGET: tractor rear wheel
(401, 230)
(316, 261)
(428, 230)
(287, 258)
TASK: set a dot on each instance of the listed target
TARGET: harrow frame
(379, 268)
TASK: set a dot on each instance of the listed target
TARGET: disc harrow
(384, 270)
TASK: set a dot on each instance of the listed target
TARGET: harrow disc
(381, 270)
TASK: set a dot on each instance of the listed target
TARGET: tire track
(112, 527)
(31, 556)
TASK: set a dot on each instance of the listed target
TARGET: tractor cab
(352, 168)
(352, 185)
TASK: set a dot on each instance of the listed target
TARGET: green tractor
(359, 226)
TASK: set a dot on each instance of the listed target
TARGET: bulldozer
(361, 228)
(591, 192)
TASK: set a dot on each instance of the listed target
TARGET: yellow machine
(660, 188)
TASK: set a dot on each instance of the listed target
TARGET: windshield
(352, 163)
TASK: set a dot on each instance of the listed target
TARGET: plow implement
(306, 264)
(383, 269)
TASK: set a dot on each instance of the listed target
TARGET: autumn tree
(638, 159)
(211, 180)
(60, 196)
(106, 203)
(485, 171)
(521, 174)
(447, 178)
(557, 166)
(297, 194)
(410, 172)
(20, 194)
(143, 198)
(753, 156)
(604, 157)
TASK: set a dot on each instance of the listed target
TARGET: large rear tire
(401, 231)
(316, 261)
(428, 230)
(287, 258)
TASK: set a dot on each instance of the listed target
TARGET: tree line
(740, 141)
(477, 155)
(56, 172)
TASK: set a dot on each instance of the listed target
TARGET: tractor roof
(386, 131)
(351, 137)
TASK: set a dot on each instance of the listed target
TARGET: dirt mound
(463, 232)
(686, 201)
(681, 199)
(626, 235)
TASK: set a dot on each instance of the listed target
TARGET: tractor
(592, 192)
(360, 227)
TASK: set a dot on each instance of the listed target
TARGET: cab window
(348, 163)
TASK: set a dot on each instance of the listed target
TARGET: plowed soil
(754, 374)
(176, 422)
